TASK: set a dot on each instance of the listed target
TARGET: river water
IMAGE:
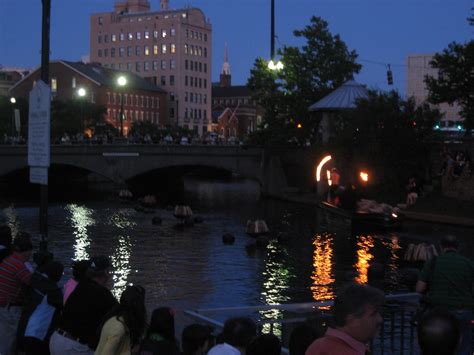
(192, 268)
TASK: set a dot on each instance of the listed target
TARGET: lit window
(173, 32)
(139, 35)
(114, 38)
(147, 35)
(155, 49)
(73, 82)
(100, 20)
(163, 48)
(185, 48)
(147, 50)
(130, 36)
(54, 85)
(163, 33)
(172, 48)
(155, 34)
(183, 15)
(122, 36)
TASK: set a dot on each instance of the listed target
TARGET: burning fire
(320, 166)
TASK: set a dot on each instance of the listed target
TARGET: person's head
(99, 270)
(5, 236)
(439, 333)
(133, 312)
(239, 331)
(195, 339)
(162, 323)
(53, 269)
(79, 269)
(449, 242)
(356, 311)
(303, 335)
(267, 344)
(23, 246)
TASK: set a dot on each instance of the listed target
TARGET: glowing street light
(121, 81)
(364, 176)
(81, 92)
(13, 100)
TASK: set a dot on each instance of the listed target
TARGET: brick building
(171, 48)
(143, 101)
(9, 77)
(234, 112)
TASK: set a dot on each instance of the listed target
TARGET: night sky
(381, 31)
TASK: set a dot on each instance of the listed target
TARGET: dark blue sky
(383, 31)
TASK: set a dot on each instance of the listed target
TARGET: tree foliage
(310, 72)
(455, 82)
(387, 133)
(6, 115)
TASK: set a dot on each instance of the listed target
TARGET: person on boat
(333, 195)
(348, 197)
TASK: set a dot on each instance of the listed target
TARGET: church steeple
(226, 77)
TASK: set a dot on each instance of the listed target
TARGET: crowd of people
(37, 316)
(456, 164)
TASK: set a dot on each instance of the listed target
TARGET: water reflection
(121, 264)
(322, 276)
(364, 255)
(393, 245)
(277, 277)
(81, 218)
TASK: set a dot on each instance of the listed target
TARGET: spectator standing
(267, 344)
(237, 335)
(447, 281)
(357, 320)
(79, 270)
(160, 338)
(14, 276)
(84, 312)
(196, 339)
(42, 308)
(125, 324)
(5, 241)
(439, 333)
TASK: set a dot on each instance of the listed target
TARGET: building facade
(142, 101)
(235, 114)
(418, 68)
(170, 48)
(9, 77)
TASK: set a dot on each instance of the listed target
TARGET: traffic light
(389, 76)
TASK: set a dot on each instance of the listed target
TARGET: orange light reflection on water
(364, 244)
(322, 277)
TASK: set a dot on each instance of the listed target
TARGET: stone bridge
(120, 163)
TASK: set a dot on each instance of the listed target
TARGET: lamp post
(82, 93)
(121, 81)
(13, 102)
(273, 64)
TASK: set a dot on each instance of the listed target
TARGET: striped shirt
(13, 275)
(450, 281)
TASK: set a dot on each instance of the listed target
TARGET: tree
(454, 83)
(388, 134)
(6, 115)
(310, 72)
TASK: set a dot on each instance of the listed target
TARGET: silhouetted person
(196, 339)
(5, 241)
(439, 333)
(303, 335)
(160, 338)
(447, 281)
(79, 271)
(267, 344)
(237, 334)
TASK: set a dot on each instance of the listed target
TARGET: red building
(142, 101)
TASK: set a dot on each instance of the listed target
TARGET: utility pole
(45, 78)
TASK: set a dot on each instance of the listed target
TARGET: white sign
(39, 126)
(39, 175)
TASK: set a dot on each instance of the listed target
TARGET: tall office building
(418, 68)
(171, 48)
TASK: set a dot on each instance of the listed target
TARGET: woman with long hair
(160, 338)
(124, 325)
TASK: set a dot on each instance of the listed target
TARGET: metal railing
(397, 334)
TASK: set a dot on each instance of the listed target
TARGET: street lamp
(273, 64)
(82, 93)
(13, 102)
(121, 81)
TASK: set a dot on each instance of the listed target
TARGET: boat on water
(335, 216)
